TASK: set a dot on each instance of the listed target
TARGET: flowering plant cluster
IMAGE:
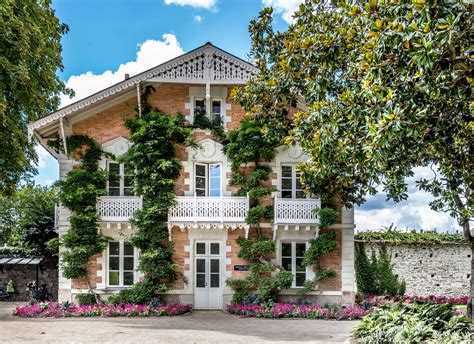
(379, 300)
(290, 310)
(66, 310)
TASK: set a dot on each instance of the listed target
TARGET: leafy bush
(260, 285)
(413, 323)
(86, 299)
(376, 276)
(365, 275)
(139, 294)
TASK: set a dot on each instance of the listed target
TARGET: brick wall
(333, 261)
(180, 240)
(92, 268)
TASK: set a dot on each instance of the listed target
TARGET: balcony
(118, 209)
(209, 209)
(296, 211)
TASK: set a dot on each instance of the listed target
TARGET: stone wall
(22, 274)
(431, 269)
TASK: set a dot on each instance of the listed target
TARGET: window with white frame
(208, 180)
(216, 107)
(199, 105)
(290, 183)
(292, 255)
(216, 110)
(121, 264)
(119, 182)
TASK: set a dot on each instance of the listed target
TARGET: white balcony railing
(296, 211)
(118, 208)
(209, 209)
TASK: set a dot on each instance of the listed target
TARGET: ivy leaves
(78, 193)
(152, 158)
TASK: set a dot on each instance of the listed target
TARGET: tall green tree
(30, 56)
(386, 87)
(27, 219)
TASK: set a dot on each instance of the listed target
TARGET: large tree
(387, 87)
(30, 56)
(27, 219)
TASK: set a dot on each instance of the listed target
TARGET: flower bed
(375, 301)
(289, 310)
(67, 310)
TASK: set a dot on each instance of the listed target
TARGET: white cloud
(150, 54)
(198, 18)
(207, 4)
(284, 7)
(414, 213)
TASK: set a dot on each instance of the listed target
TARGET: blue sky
(109, 38)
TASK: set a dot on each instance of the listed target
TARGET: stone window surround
(121, 268)
(217, 93)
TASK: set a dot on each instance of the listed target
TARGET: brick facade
(171, 99)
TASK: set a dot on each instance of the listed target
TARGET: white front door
(207, 275)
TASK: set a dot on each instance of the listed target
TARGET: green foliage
(256, 248)
(413, 323)
(249, 143)
(79, 192)
(327, 217)
(27, 219)
(215, 125)
(86, 299)
(364, 272)
(320, 246)
(320, 275)
(375, 276)
(30, 57)
(409, 238)
(388, 87)
(263, 279)
(155, 167)
(387, 282)
(140, 293)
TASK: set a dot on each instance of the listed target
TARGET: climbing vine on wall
(319, 247)
(79, 192)
(265, 280)
(153, 162)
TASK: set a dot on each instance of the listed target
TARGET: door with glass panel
(207, 275)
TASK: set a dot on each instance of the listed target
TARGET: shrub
(139, 294)
(86, 299)
(412, 323)
(376, 277)
(364, 273)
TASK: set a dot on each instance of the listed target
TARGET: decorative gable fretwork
(206, 65)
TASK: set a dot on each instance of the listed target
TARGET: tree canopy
(30, 56)
(386, 86)
(27, 219)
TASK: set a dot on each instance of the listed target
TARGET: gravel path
(198, 327)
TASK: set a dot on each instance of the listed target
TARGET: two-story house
(208, 217)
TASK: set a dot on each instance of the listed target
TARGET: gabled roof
(204, 65)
